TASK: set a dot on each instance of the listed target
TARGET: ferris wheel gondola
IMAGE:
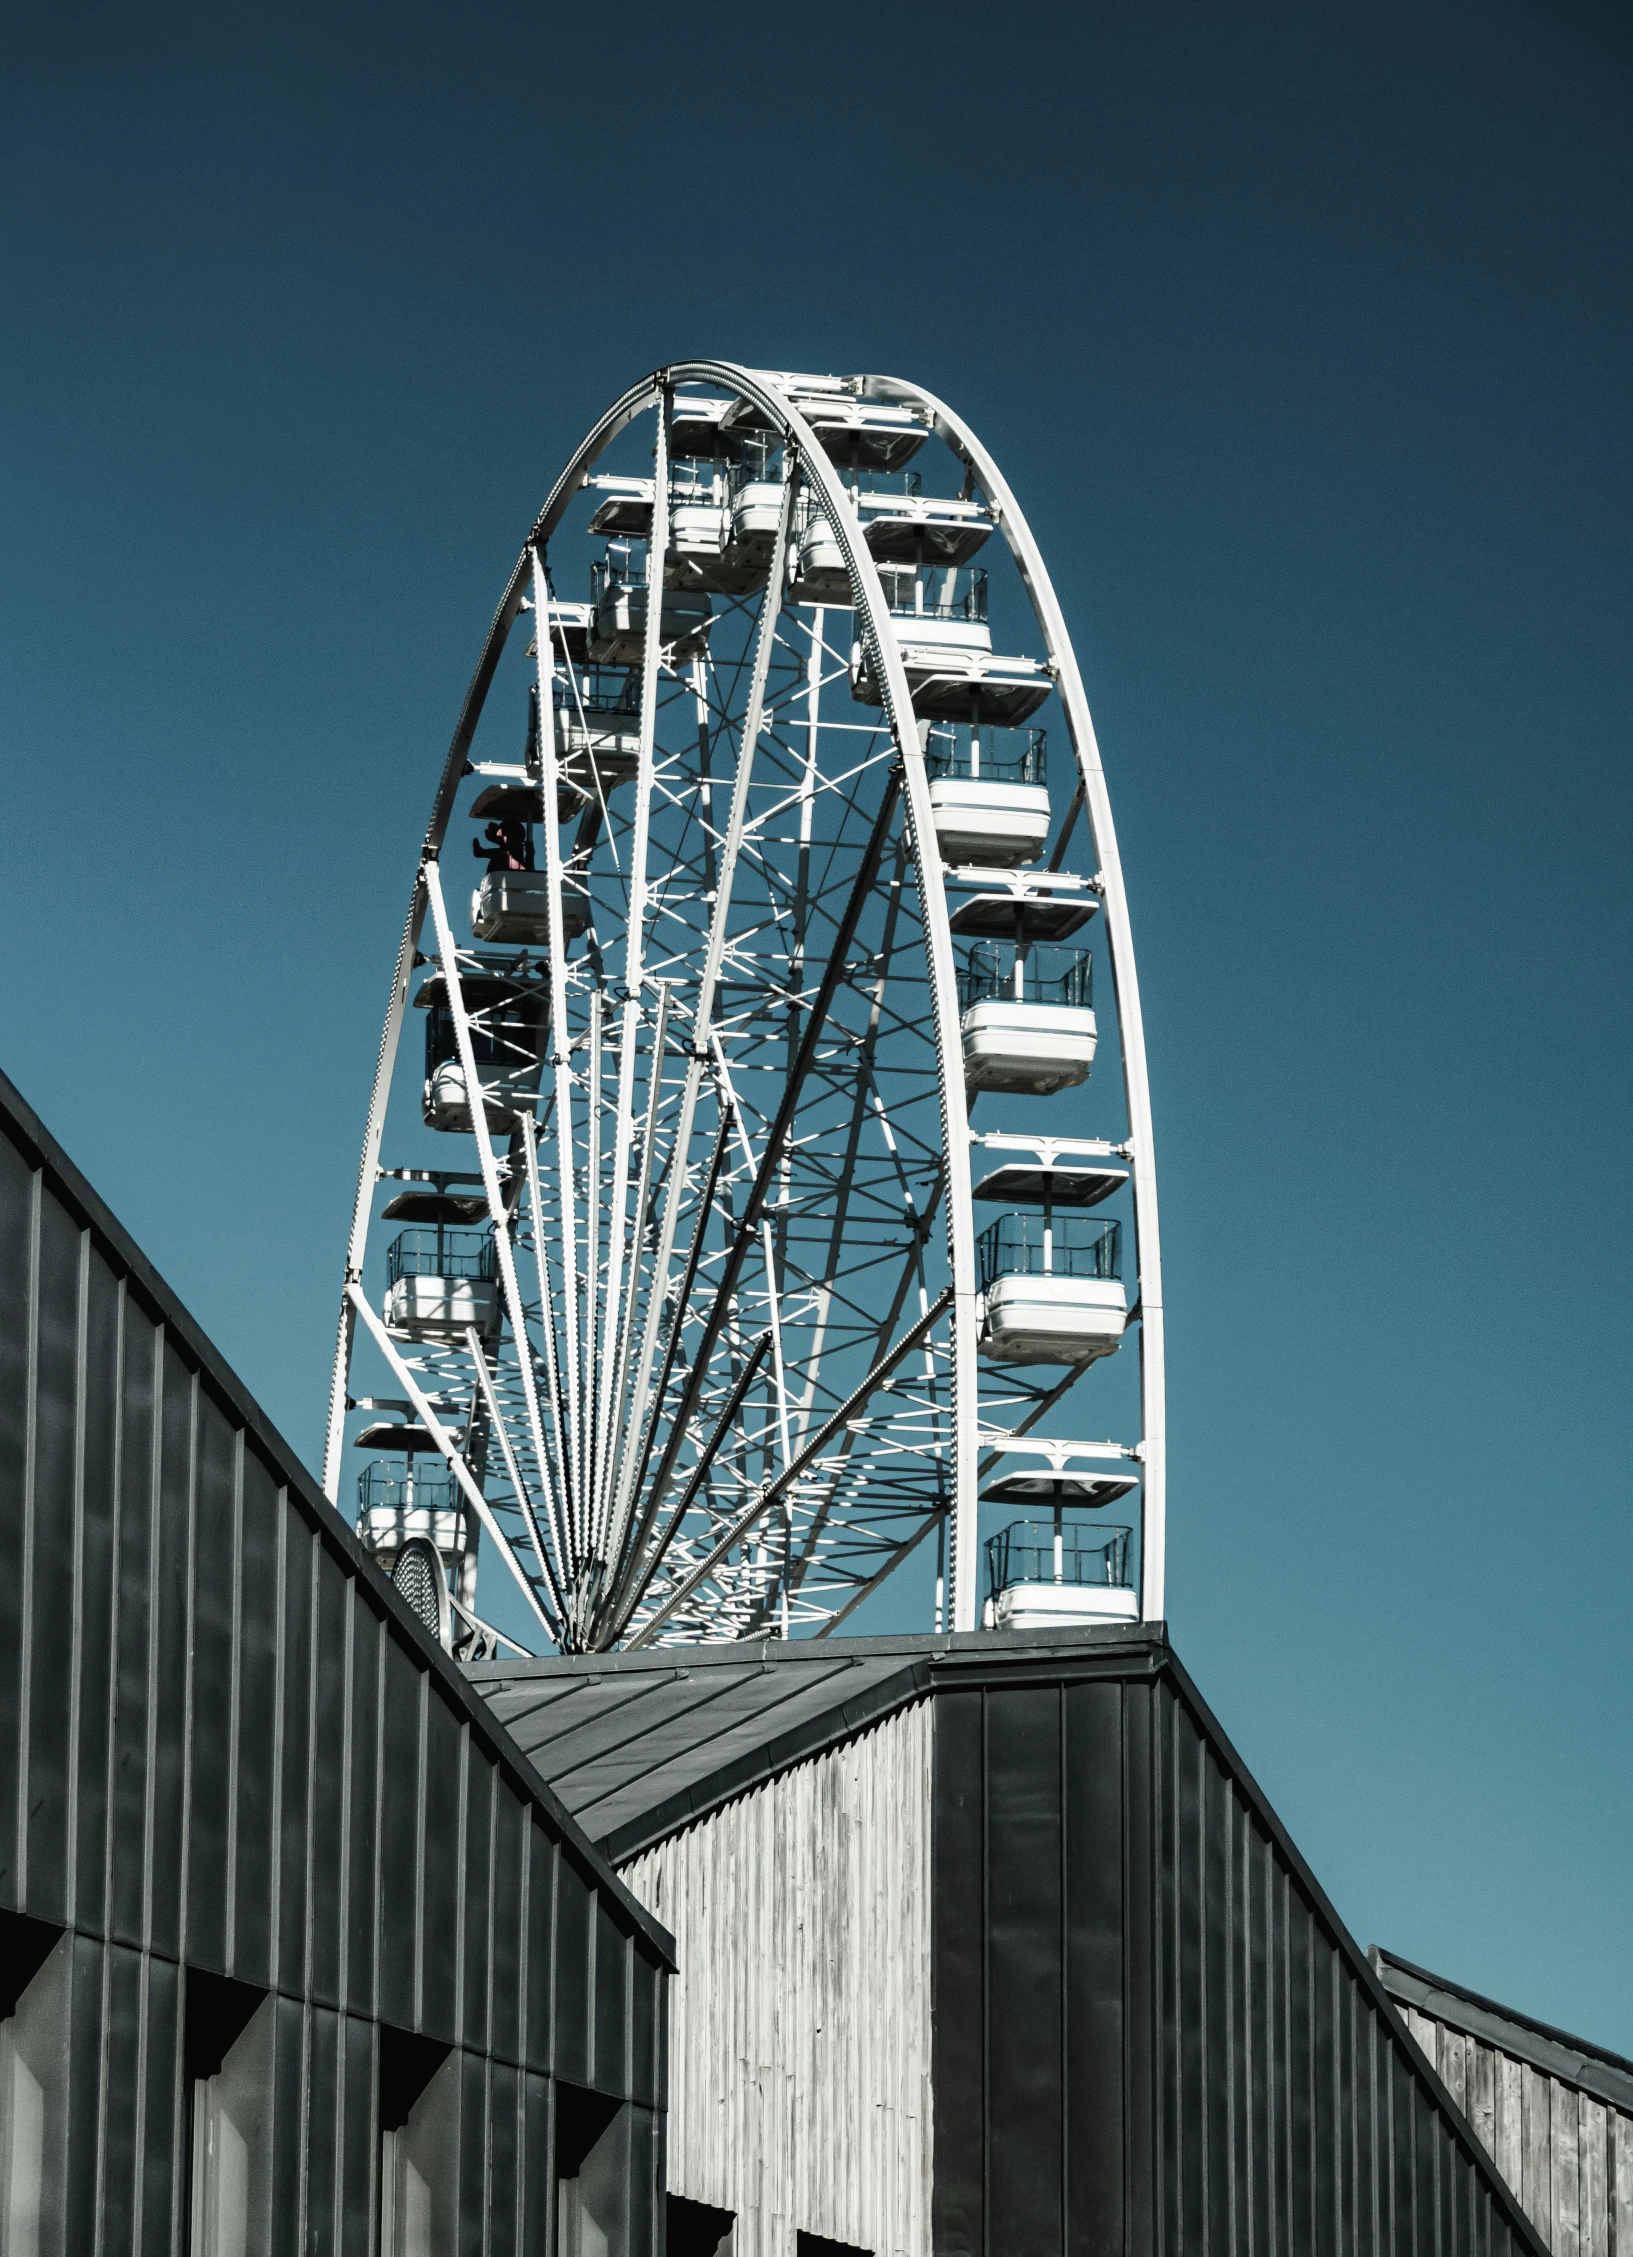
(797, 879)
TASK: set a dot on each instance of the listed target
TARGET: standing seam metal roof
(637, 1745)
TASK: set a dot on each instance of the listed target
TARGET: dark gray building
(296, 1953)
(990, 1947)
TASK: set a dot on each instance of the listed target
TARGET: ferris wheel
(752, 1222)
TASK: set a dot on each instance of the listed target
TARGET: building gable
(235, 1768)
(1152, 2035)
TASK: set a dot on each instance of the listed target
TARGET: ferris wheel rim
(764, 390)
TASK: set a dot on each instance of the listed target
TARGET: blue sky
(1303, 336)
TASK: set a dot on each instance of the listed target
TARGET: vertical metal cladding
(1152, 2033)
(225, 1747)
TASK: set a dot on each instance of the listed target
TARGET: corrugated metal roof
(636, 1745)
(1573, 2060)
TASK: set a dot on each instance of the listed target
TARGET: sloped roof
(639, 1744)
(1574, 2061)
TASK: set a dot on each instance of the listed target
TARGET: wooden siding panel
(1595, 2128)
(1509, 2152)
(1619, 2195)
(1554, 2144)
(1481, 2108)
(800, 2066)
(1564, 2237)
(1536, 2150)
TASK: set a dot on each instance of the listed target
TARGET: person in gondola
(509, 847)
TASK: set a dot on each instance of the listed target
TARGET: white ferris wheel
(790, 1232)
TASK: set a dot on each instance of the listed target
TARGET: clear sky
(1304, 336)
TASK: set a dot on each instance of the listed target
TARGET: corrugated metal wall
(1152, 2035)
(222, 1745)
(800, 2065)
(1567, 2155)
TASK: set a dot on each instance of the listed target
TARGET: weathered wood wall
(1567, 2154)
(799, 2088)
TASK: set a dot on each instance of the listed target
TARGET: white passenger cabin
(695, 428)
(946, 651)
(754, 511)
(594, 757)
(1052, 1289)
(517, 777)
(618, 632)
(440, 1284)
(1047, 1575)
(1024, 1047)
(398, 1504)
(854, 433)
(570, 631)
(505, 1095)
(820, 574)
(913, 528)
(986, 820)
(900, 529)
(1033, 1319)
(1061, 1606)
(1028, 1025)
(514, 905)
(507, 1036)
(439, 1308)
(699, 527)
(1048, 905)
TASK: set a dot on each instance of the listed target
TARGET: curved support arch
(1130, 1019)
(780, 407)
(617, 417)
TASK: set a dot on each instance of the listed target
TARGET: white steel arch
(632, 1478)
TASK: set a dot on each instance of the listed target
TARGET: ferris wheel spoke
(902, 1552)
(739, 1527)
(645, 1564)
(647, 1441)
(771, 1155)
(619, 1348)
(519, 1488)
(773, 1296)
(456, 1465)
(713, 952)
(547, 1326)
